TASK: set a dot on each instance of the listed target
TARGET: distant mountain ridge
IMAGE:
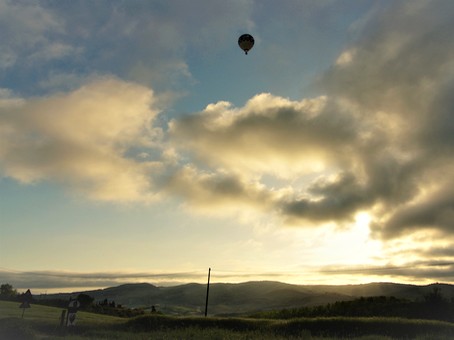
(240, 298)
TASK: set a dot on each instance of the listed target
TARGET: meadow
(41, 322)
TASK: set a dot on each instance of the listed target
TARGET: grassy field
(41, 322)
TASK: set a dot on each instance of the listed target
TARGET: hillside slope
(226, 298)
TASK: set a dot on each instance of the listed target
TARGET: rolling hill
(240, 298)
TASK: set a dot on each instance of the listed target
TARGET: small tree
(436, 306)
(7, 291)
(85, 300)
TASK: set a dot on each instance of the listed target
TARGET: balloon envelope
(246, 41)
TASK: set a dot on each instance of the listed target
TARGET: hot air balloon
(246, 41)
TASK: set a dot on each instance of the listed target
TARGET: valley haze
(246, 297)
(43, 282)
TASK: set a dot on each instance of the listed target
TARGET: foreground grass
(51, 314)
(335, 327)
(43, 322)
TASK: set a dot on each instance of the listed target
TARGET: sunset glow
(140, 144)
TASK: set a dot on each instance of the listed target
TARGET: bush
(434, 307)
(7, 292)
(356, 327)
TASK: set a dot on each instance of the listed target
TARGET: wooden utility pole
(208, 291)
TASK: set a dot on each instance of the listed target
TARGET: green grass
(44, 322)
(39, 321)
(49, 314)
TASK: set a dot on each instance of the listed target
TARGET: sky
(138, 143)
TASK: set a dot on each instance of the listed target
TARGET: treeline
(8, 293)
(433, 307)
(107, 307)
(87, 303)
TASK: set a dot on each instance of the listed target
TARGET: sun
(362, 220)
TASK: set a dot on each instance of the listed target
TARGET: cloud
(143, 42)
(398, 77)
(83, 139)
(33, 36)
(334, 199)
(72, 280)
(434, 209)
(158, 36)
(218, 192)
(42, 281)
(378, 140)
(270, 134)
(317, 142)
(416, 270)
(276, 137)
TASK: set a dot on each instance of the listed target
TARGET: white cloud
(269, 135)
(399, 78)
(345, 58)
(378, 139)
(81, 138)
(220, 193)
(375, 141)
